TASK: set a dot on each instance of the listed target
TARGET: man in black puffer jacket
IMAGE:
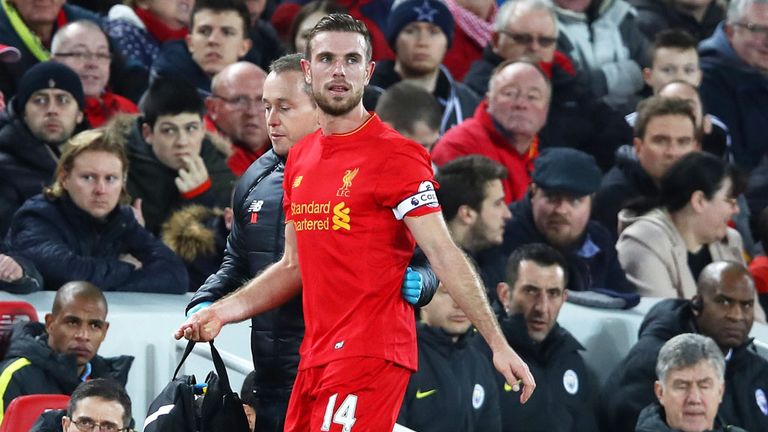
(532, 297)
(56, 356)
(722, 310)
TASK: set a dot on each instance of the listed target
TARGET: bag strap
(221, 370)
(218, 363)
(187, 352)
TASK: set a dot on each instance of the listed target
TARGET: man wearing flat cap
(556, 212)
(44, 114)
(420, 32)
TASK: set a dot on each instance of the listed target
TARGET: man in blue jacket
(735, 85)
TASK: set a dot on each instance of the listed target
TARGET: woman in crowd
(664, 250)
(77, 229)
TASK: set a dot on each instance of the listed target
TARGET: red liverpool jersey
(346, 195)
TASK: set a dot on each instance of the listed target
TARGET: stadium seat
(12, 312)
(24, 410)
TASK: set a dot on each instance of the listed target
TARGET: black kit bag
(184, 405)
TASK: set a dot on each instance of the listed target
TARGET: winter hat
(431, 11)
(48, 75)
(568, 170)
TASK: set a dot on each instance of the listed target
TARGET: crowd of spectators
(621, 138)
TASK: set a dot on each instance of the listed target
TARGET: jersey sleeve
(407, 184)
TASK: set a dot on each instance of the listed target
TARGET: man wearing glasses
(97, 405)
(84, 47)
(236, 110)
(735, 87)
(527, 29)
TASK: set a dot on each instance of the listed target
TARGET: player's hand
(202, 326)
(10, 270)
(515, 371)
(412, 285)
(192, 175)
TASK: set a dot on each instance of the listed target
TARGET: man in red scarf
(84, 47)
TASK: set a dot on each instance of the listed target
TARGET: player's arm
(454, 271)
(276, 285)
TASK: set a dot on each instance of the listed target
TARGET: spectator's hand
(10, 270)
(137, 212)
(412, 285)
(130, 259)
(192, 175)
(202, 326)
(515, 371)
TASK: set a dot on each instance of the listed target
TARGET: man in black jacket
(722, 310)
(455, 386)
(690, 370)
(665, 131)
(43, 115)
(556, 212)
(257, 240)
(172, 163)
(57, 356)
(532, 297)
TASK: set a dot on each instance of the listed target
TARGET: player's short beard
(337, 109)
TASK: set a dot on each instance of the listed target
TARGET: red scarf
(158, 29)
(477, 28)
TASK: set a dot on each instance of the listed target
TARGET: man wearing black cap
(44, 114)
(420, 32)
(556, 212)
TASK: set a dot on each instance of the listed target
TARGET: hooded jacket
(629, 388)
(455, 387)
(153, 182)
(458, 100)
(592, 262)
(652, 419)
(564, 400)
(32, 367)
(606, 44)
(66, 243)
(737, 93)
(198, 235)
